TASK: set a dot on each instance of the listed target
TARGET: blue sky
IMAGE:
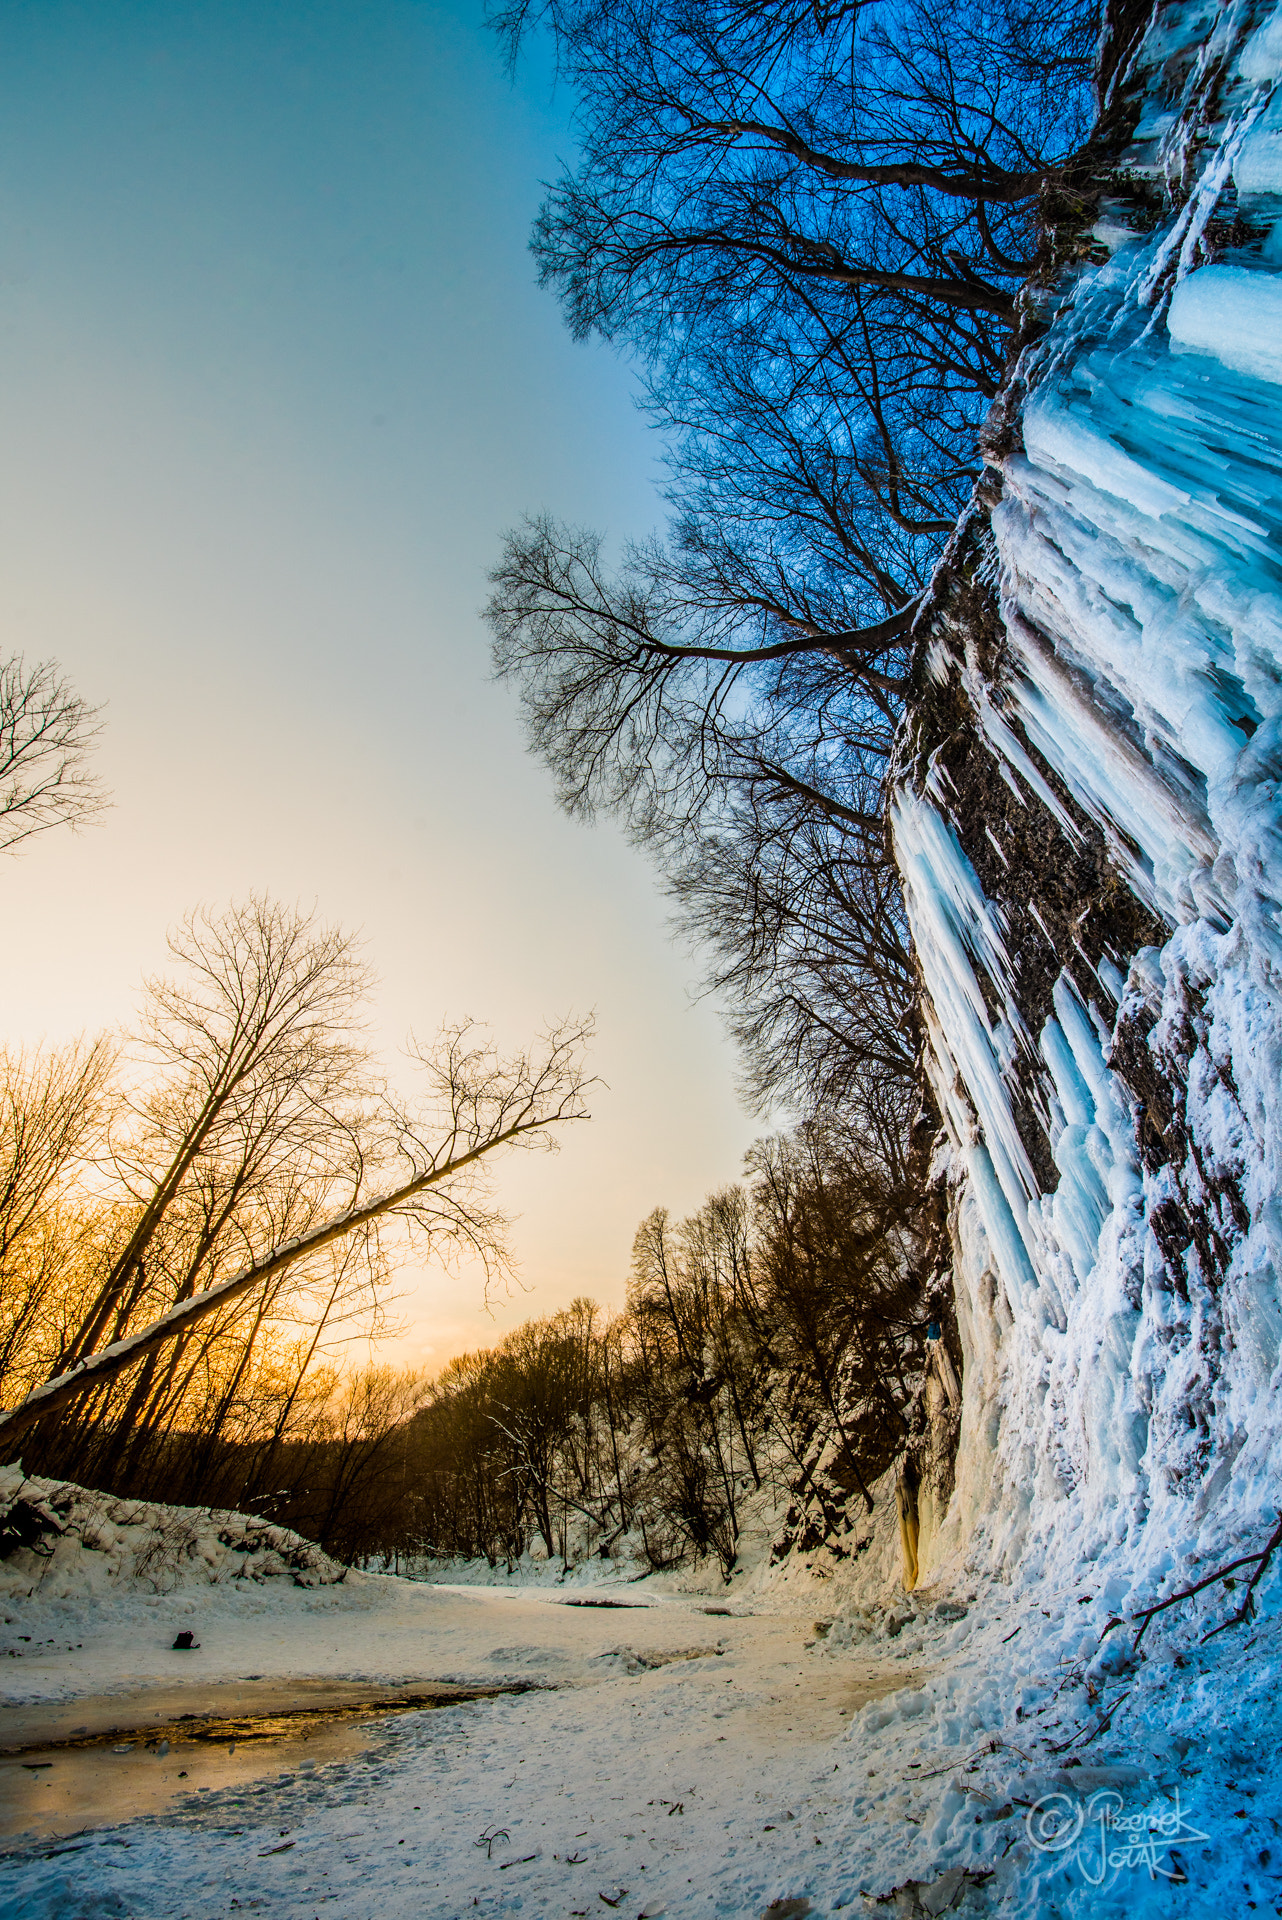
(274, 376)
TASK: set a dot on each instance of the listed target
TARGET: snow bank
(63, 1542)
(1016, 1778)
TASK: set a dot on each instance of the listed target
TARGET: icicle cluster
(1113, 1140)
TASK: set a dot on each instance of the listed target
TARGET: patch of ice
(1235, 313)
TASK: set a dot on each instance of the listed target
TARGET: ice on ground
(896, 1755)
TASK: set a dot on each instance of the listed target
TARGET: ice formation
(1086, 817)
(1106, 1051)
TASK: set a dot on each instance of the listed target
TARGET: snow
(1137, 540)
(811, 1734)
(91, 1545)
(805, 1742)
(1257, 168)
(1261, 58)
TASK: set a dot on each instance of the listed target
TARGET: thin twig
(994, 1745)
(1101, 1727)
(1244, 1612)
(1107, 1721)
(1247, 1608)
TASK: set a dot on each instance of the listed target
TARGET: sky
(275, 375)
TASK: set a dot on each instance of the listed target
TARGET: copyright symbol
(1055, 1822)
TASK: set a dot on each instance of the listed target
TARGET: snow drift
(63, 1542)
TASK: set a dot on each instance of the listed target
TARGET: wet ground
(666, 1747)
(67, 1766)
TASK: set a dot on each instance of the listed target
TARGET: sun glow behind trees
(276, 371)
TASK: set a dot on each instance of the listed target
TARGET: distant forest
(772, 1341)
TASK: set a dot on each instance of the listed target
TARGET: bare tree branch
(46, 731)
(490, 1105)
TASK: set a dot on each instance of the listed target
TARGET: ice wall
(1094, 875)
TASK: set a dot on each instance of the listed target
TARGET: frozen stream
(671, 1753)
(664, 1739)
(86, 1762)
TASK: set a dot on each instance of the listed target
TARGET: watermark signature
(1104, 1838)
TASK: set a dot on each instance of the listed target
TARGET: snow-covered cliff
(1087, 823)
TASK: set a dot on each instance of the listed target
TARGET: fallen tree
(487, 1103)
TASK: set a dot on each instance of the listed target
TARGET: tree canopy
(809, 227)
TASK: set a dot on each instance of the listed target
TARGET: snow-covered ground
(682, 1753)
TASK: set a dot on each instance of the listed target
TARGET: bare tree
(867, 147)
(357, 1444)
(52, 1112)
(698, 1342)
(838, 1234)
(250, 1114)
(800, 924)
(46, 730)
(755, 774)
(810, 225)
(260, 1144)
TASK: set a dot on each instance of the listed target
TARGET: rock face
(1086, 818)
